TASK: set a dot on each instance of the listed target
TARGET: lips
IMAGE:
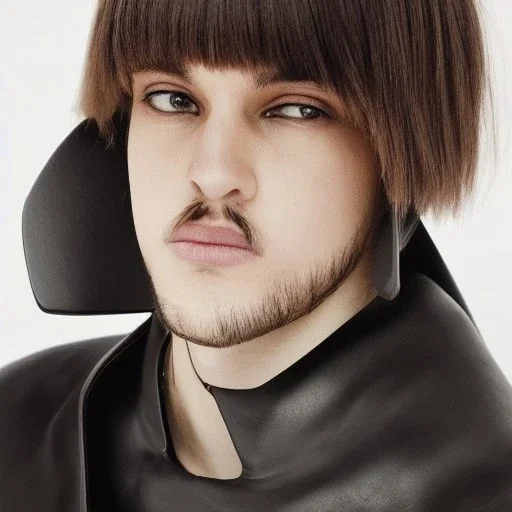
(215, 235)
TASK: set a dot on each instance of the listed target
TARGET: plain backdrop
(42, 52)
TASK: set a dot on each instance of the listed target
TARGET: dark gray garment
(401, 409)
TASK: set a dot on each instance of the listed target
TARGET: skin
(303, 191)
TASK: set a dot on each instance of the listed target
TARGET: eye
(310, 111)
(174, 101)
(163, 100)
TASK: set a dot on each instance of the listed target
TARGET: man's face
(302, 190)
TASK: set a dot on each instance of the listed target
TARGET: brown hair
(411, 73)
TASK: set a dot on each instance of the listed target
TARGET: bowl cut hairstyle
(410, 74)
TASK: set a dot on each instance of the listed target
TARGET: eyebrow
(261, 79)
(268, 77)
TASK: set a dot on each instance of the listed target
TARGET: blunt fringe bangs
(411, 73)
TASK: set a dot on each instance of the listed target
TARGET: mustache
(199, 209)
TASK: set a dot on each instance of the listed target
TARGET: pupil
(177, 101)
(310, 112)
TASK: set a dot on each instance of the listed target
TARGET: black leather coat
(401, 409)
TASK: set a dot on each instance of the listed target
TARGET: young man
(271, 146)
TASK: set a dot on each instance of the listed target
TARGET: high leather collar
(421, 255)
(243, 423)
(156, 340)
(381, 396)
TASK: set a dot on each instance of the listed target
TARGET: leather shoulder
(460, 399)
(47, 376)
(39, 399)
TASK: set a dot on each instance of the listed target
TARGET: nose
(222, 164)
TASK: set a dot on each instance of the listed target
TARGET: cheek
(324, 193)
(147, 151)
(149, 183)
(309, 225)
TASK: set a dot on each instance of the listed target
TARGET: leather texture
(402, 408)
(79, 239)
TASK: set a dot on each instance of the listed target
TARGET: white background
(42, 47)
